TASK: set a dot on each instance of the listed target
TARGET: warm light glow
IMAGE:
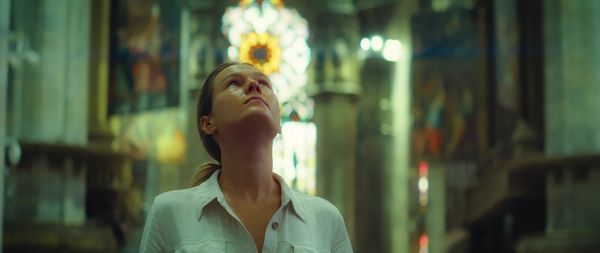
(423, 243)
(423, 240)
(295, 156)
(391, 50)
(171, 148)
(232, 52)
(245, 2)
(365, 44)
(423, 169)
(423, 184)
(152, 135)
(376, 43)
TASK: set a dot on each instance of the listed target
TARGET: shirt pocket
(208, 246)
(287, 247)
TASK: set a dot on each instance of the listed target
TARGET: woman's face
(243, 96)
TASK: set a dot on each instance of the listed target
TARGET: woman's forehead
(238, 69)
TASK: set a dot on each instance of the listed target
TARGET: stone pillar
(4, 20)
(51, 88)
(572, 57)
(99, 132)
(335, 90)
(436, 210)
(373, 155)
(396, 175)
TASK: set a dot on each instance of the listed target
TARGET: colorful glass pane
(273, 38)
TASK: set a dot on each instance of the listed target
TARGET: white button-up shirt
(199, 219)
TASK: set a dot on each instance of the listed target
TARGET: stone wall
(572, 79)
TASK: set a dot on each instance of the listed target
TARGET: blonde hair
(204, 172)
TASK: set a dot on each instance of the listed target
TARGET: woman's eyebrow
(256, 74)
(229, 77)
(232, 75)
(260, 74)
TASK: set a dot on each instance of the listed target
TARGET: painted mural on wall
(144, 55)
(444, 85)
(144, 79)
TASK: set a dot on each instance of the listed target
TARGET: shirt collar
(206, 192)
(288, 195)
(210, 190)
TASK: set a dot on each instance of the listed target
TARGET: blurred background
(459, 126)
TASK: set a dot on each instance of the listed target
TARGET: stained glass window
(273, 38)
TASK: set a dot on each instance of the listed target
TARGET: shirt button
(275, 225)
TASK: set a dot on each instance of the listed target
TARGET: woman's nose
(252, 85)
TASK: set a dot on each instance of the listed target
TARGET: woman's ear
(206, 125)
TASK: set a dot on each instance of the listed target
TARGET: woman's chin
(258, 120)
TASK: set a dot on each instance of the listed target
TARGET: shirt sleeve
(342, 240)
(153, 238)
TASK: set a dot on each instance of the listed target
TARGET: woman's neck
(247, 171)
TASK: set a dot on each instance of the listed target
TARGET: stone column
(99, 132)
(396, 174)
(436, 210)
(51, 88)
(335, 90)
(572, 57)
(4, 20)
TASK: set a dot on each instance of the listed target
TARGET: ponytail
(204, 172)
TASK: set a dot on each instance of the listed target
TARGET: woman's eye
(264, 83)
(234, 82)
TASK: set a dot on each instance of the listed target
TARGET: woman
(239, 204)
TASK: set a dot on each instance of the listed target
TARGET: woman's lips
(257, 99)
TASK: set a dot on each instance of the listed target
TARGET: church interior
(434, 126)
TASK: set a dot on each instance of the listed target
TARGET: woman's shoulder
(317, 205)
(174, 199)
(323, 217)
